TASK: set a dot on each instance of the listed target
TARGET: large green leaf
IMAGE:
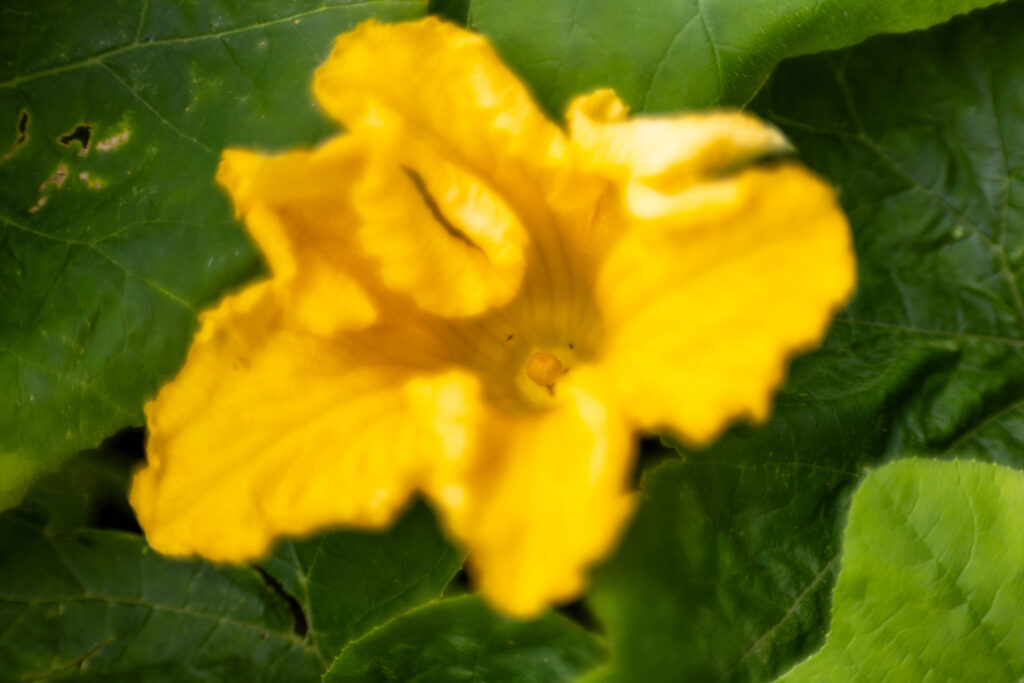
(727, 571)
(927, 153)
(348, 583)
(932, 578)
(332, 588)
(661, 55)
(112, 233)
(100, 605)
(461, 639)
(89, 490)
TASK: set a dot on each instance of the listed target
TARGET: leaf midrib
(102, 598)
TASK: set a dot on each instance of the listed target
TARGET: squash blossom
(470, 303)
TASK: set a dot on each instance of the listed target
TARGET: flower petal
(442, 238)
(665, 153)
(269, 431)
(438, 98)
(296, 207)
(442, 85)
(705, 304)
(539, 498)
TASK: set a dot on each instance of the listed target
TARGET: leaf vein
(160, 117)
(130, 47)
(817, 579)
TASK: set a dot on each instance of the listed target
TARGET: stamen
(544, 368)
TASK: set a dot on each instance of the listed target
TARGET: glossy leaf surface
(660, 55)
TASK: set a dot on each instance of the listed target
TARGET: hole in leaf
(81, 134)
(21, 134)
(22, 128)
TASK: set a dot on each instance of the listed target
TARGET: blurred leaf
(662, 55)
(101, 605)
(727, 571)
(461, 639)
(348, 583)
(932, 578)
(112, 233)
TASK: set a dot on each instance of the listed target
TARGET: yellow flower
(471, 304)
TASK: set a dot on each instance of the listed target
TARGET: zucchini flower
(470, 303)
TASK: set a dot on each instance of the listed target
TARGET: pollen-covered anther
(544, 368)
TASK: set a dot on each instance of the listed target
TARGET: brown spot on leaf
(57, 178)
(113, 142)
(90, 182)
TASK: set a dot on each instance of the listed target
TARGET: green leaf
(349, 583)
(932, 578)
(723, 563)
(461, 639)
(327, 590)
(663, 55)
(89, 490)
(726, 573)
(101, 605)
(112, 233)
(927, 154)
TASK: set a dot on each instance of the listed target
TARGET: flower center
(544, 368)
